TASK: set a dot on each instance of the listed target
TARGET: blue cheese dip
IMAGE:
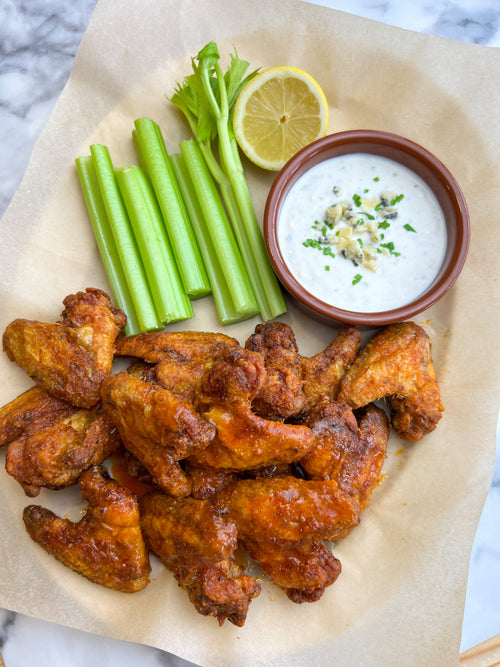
(362, 232)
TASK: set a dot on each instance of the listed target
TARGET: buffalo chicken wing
(198, 546)
(243, 440)
(349, 453)
(106, 545)
(283, 521)
(70, 358)
(157, 426)
(397, 363)
(31, 411)
(54, 457)
(293, 382)
(173, 345)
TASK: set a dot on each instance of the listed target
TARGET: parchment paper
(399, 599)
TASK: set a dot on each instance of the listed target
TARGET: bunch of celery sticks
(182, 226)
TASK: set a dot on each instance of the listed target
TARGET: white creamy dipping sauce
(362, 233)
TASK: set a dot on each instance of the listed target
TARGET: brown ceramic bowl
(414, 157)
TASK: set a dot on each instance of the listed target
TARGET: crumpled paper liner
(400, 597)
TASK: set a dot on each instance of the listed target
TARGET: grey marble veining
(38, 42)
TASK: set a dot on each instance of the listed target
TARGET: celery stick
(222, 236)
(267, 311)
(106, 243)
(124, 239)
(171, 302)
(156, 161)
(207, 98)
(220, 291)
(260, 268)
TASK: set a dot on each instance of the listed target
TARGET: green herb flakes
(390, 247)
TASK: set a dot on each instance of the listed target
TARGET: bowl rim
(349, 141)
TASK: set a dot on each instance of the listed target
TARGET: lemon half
(277, 113)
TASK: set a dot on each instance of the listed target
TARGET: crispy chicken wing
(208, 483)
(352, 455)
(282, 521)
(397, 363)
(294, 382)
(323, 372)
(302, 569)
(172, 367)
(198, 546)
(289, 508)
(55, 456)
(69, 358)
(243, 439)
(106, 545)
(157, 426)
(31, 411)
(281, 394)
(173, 345)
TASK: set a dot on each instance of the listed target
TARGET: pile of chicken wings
(240, 449)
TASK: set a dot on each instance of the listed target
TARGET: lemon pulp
(277, 113)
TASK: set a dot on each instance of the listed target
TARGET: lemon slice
(277, 113)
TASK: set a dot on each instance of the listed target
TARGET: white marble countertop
(38, 41)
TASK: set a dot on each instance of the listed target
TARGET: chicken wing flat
(243, 440)
(352, 455)
(173, 345)
(54, 457)
(288, 508)
(71, 357)
(282, 522)
(198, 546)
(157, 426)
(294, 382)
(106, 545)
(207, 483)
(31, 411)
(397, 363)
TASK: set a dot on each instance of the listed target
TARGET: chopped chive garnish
(390, 247)
(354, 216)
(312, 243)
